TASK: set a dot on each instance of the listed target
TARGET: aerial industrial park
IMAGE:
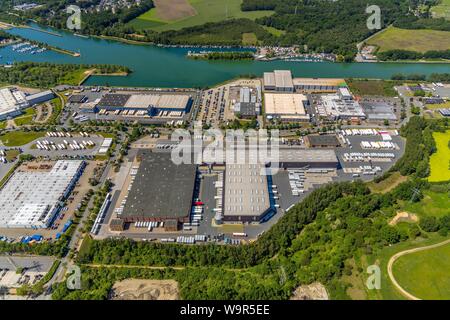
(105, 169)
(154, 199)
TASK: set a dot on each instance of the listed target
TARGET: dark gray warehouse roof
(161, 189)
(323, 140)
(114, 100)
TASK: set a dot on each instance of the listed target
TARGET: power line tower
(416, 193)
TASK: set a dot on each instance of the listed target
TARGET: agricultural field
(425, 273)
(414, 40)
(19, 138)
(442, 10)
(188, 13)
(440, 160)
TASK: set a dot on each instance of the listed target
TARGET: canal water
(155, 66)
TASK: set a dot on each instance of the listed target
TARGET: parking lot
(65, 146)
(33, 269)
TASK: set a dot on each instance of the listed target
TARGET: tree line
(47, 75)
(399, 54)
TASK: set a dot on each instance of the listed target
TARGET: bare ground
(171, 10)
(139, 289)
(403, 216)
(313, 291)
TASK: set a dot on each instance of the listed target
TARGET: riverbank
(93, 72)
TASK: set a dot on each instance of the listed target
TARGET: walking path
(402, 253)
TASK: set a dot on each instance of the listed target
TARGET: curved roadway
(402, 253)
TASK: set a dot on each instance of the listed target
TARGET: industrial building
(11, 103)
(33, 196)
(40, 97)
(378, 111)
(152, 104)
(161, 191)
(246, 193)
(311, 85)
(310, 158)
(322, 141)
(340, 106)
(249, 104)
(279, 80)
(286, 106)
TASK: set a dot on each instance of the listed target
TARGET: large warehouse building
(311, 85)
(11, 103)
(152, 104)
(279, 80)
(286, 106)
(311, 158)
(32, 198)
(161, 191)
(246, 196)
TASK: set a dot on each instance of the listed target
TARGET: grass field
(26, 118)
(19, 138)
(440, 160)
(438, 106)
(442, 10)
(249, 39)
(276, 32)
(415, 40)
(425, 273)
(207, 11)
(433, 204)
(373, 87)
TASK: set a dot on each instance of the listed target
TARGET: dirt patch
(403, 216)
(43, 112)
(171, 10)
(137, 289)
(313, 291)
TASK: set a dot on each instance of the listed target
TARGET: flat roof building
(279, 80)
(40, 97)
(246, 193)
(31, 199)
(249, 103)
(378, 111)
(318, 84)
(322, 141)
(11, 102)
(313, 158)
(161, 189)
(286, 106)
(152, 103)
(335, 107)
